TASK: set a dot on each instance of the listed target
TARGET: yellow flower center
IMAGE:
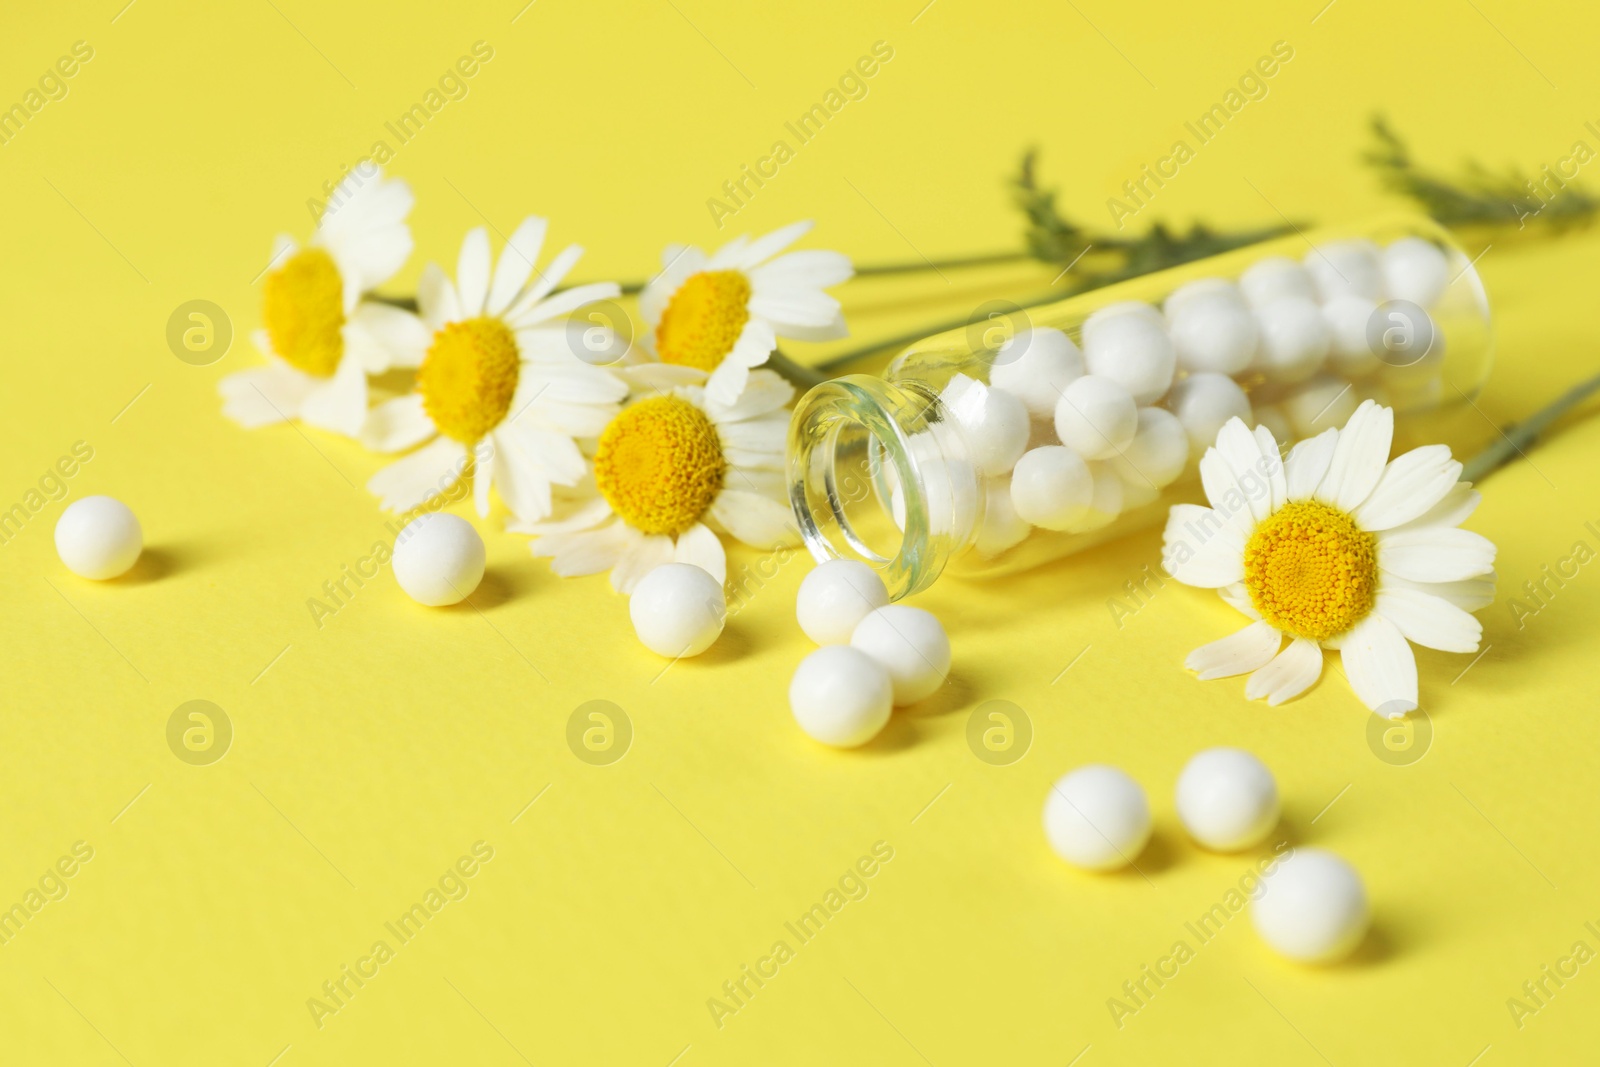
(303, 309)
(703, 319)
(1311, 571)
(468, 377)
(659, 465)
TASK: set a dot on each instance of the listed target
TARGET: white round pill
(1133, 350)
(994, 423)
(1002, 527)
(1096, 417)
(1341, 268)
(1227, 799)
(1158, 452)
(1051, 487)
(1351, 353)
(1136, 308)
(98, 537)
(1203, 290)
(1035, 366)
(911, 645)
(1106, 501)
(1323, 403)
(1312, 907)
(835, 596)
(1415, 270)
(1204, 403)
(1294, 339)
(1274, 278)
(438, 559)
(677, 610)
(841, 696)
(1215, 333)
(1097, 818)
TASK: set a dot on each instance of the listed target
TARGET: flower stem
(929, 330)
(1513, 438)
(802, 378)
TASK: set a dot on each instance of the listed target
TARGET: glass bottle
(1013, 442)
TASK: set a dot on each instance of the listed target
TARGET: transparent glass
(932, 467)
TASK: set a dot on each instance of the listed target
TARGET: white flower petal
(1469, 594)
(1453, 509)
(437, 298)
(795, 307)
(339, 403)
(755, 343)
(544, 283)
(1272, 464)
(1380, 665)
(363, 228)
(1200, 549)
(566, 302)
(483, 458)
(699, 546)
(729, 255)
(678, 262)
(1359, 457)
(399, 338)
(1226, 498)
(429, 471)
(765, 391)
(1435, 553)
(1236, 596)
(1242, 451)
(262, 396)
(586, 516)
(1409, 486)
(764, 248)
(588, 552)
(397, 425)
(1428, 620)
(1308, 464)
(639, 559)
(516, 264)
(472, 272)
(754, 519)
(1239, 653)
(766, 434)
(1290, 673)
(814, 269)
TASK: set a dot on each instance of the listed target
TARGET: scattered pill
(1096, 817)
(1035, 366)
(1051, 487)
(1215, 333)
(1203, 290)
(1204, 403)
(1158, 452)
(835, 596)
(1311, 907)
(910, 644)
(1415, 270)
(841, 696)
(677, 610)
(1136, 308)
(1096, 417)
(1294, 339)
(438, 559)
(1273, 279)
(993, 421)
(1106, 501)
(1341, 268)
(98, 537)
(1227, 799)
(1134, 350)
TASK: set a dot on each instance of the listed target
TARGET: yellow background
(371, 753)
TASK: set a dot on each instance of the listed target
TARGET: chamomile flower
(673, 469)
(499, 382)
(320, 337)
(724, 313)
(1334, 548)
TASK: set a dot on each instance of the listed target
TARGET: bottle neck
(878, 472)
